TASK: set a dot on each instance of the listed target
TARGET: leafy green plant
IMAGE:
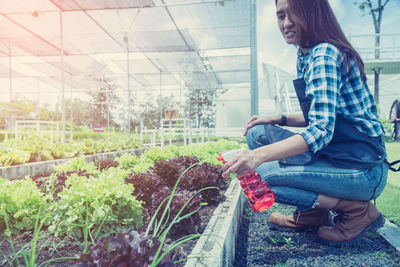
(29, 251)
(21, 200)
(288, 241)
(127, 161)
(8, 233)
(106, 202)
(104, 205)
(14, 157)
(77, 164)
(31, 256)
(159, 153)
(278, 239)
(133, 249)
(32, 148)
(380, 254)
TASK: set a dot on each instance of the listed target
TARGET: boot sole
(273, 226)
(373, 227)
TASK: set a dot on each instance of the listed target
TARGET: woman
(337, 161)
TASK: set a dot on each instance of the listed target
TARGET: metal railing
(365, 45)
(188, 136)
(40, 128)
(172, 130)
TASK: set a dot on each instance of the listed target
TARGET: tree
(104, 98)
(376, 11)
(82, 112)
(45, 114)
(201, 107)
(22, 109)
(149, 113)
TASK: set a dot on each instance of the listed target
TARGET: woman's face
(288, 28)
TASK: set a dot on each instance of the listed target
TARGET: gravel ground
(258, 246)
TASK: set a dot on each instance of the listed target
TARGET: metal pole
(62, 81)
(72, 117)
(10, 78)
(38, 98)
(129, 90)
(161, 102)
(253, 58)
(108, 108)
(180, 98)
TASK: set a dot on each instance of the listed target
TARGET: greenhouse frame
(65, 46)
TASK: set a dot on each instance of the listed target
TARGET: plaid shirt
(335, 90)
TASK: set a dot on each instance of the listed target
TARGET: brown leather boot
(301, 221)
(358, 218)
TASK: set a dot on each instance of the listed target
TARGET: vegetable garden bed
(36, 149)
(45, 168)
(82, 208)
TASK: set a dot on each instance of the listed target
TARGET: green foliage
(20, 201)
(206, 152)
(389, 201)
(90, 207)
(107, 203)
(278, 239)
(157, 153)
(19, 108)
(33, 148)
(387, 125)
(14, 157)
(201, 105)
(77, 164)
(127, 161)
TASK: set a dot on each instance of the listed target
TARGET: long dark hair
(317, 24)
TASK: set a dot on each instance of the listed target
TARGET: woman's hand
(249, 160)
(243, 163)
(261, 120)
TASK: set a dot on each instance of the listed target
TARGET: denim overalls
(349, 148)
(352, 165)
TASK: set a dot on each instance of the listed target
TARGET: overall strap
(391, 164)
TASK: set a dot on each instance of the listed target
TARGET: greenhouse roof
(200, 44)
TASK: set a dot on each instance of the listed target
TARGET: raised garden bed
(221, 215)
(45, 168)
(61, 245)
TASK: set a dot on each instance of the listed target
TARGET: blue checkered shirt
(335, 89)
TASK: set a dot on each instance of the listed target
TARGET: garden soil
(258, 246)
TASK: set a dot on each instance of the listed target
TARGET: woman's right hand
(261, 120)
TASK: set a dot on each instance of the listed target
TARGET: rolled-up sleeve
(323, 78)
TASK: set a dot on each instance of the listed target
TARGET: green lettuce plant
(105, 202)
(77, 164)
(21, 201)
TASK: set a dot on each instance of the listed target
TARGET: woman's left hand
(243, 163)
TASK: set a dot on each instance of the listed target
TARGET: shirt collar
(300, 53)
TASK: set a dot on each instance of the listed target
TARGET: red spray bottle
(255, 189)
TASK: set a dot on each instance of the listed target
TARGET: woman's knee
(256, 136)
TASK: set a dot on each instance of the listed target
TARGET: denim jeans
(299, 180)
